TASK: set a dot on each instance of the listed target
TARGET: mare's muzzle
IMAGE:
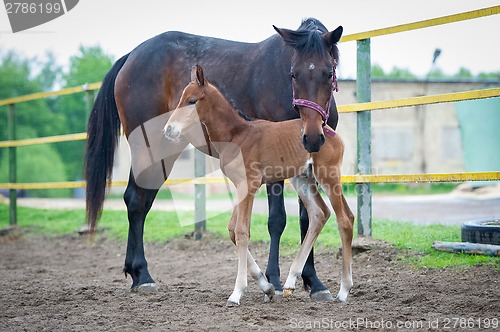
(312, 143)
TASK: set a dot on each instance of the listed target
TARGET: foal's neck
(220, 118)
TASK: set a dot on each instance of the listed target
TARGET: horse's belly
(280, 172)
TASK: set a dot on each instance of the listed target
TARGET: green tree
(90, 65)
(16, 79)
(377, 71)
(402, 73)
(493, 75)
(463, 73)
(396, 73)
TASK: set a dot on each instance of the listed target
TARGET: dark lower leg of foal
(309, 276)
(275, 225)
(138, 201)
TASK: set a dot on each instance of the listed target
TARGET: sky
(119, 26)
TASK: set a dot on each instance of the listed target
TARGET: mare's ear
(286, 34)
(197, 75)
(333, 37)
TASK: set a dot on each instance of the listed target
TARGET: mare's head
(187, 115)
(313, 76)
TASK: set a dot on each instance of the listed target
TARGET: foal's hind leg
(345, 224)
(318, 215)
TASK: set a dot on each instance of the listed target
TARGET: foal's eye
(192, 101)
(292, 75)
(330, 75)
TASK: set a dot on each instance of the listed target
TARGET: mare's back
(249, 75)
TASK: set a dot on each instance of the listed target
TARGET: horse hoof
(149, 288)
(231, 304)
(270, 294)
(322, 296)
(287, 292)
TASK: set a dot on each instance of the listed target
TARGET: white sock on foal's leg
(259, 276)
(241, 280)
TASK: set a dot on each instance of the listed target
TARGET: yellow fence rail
(44, 140)
(423, 24)
(371, 178)
(43, 95)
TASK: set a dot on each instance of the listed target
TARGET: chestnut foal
(256, 152)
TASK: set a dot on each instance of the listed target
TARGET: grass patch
(415, 240)
(419, 239)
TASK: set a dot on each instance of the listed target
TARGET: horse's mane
(308, 38)
(233, 104)
(244, 116)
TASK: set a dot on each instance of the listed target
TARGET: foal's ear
(197, 75)
(333, 37)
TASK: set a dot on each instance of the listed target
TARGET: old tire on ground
(481, 231)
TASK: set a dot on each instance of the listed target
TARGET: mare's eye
(192, 101)
(292, 74)
(330, 75)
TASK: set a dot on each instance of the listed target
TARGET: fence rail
(357, 178)
(362, 107)
(423, 24)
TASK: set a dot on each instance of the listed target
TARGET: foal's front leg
(252, 266)
(241, 239)
(318, 215)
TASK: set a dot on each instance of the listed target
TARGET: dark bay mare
(144, 85)
(248, 160)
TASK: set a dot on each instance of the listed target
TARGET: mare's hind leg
(138, 201)
(318, 291)
(318, 213)
(275, 225)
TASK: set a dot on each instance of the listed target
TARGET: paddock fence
(363, 108)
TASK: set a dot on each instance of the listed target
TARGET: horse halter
(325, 113)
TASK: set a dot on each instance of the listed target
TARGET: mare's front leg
(318, 291)
(275, 225)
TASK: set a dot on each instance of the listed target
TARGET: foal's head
(191, 109)
(313, 76)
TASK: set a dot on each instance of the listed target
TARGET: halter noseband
(325, 113)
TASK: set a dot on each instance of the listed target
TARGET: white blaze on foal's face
(181, 120)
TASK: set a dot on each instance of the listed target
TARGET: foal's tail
(102, 130)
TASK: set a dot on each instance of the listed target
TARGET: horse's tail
(103, 131)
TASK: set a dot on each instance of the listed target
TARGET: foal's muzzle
(172, 132)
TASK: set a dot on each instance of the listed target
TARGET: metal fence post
(11, 135)
(364, 158)
(200, 195)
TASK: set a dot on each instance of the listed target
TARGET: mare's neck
(220, 118)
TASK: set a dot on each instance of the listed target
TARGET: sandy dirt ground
(73, 284)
